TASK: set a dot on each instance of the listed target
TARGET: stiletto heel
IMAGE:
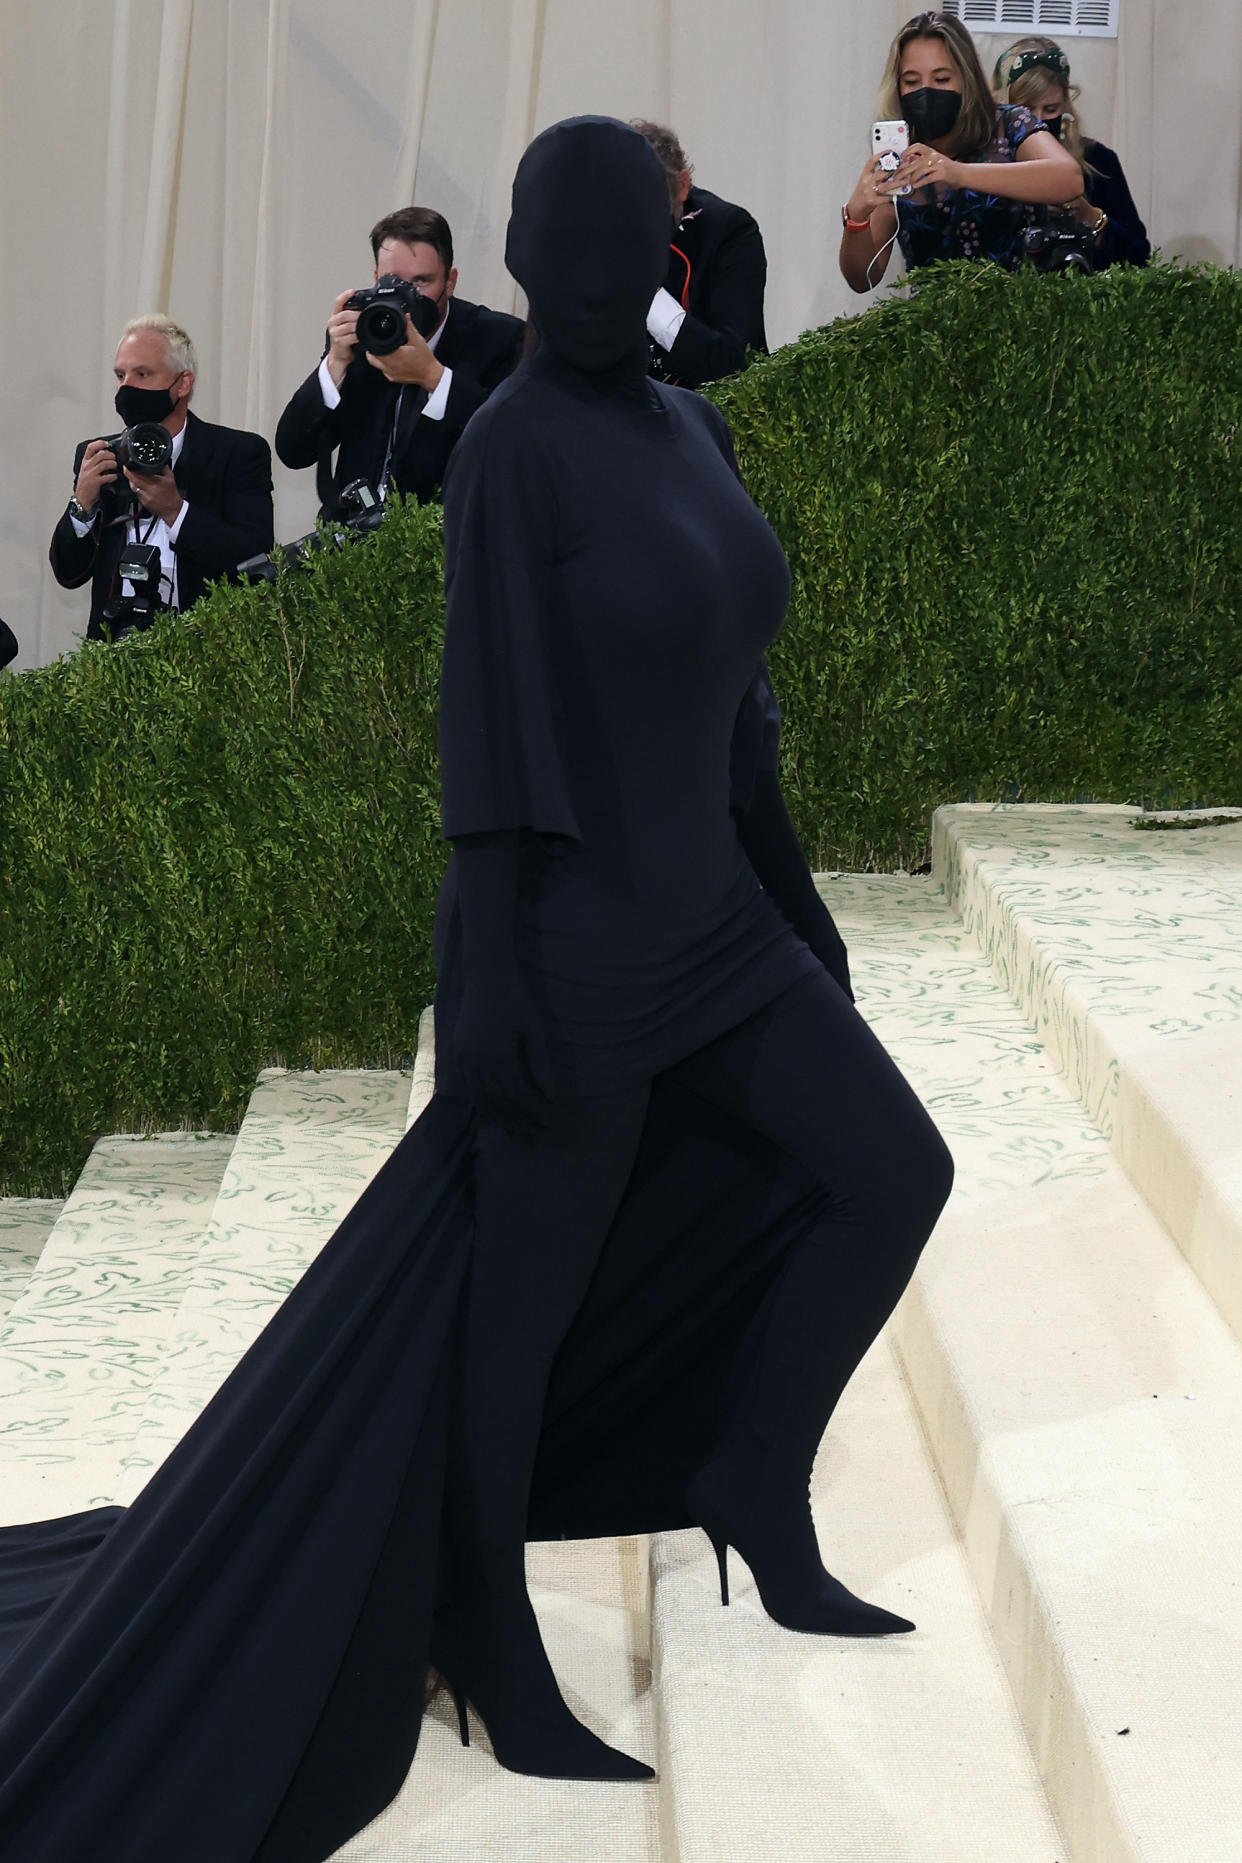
(459, 1702)
(721, 1549)
(533, 1731)
(778, 1544)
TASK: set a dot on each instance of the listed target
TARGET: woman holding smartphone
(974, 174)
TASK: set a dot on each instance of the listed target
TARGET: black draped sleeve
(501, 761)
(756, 740)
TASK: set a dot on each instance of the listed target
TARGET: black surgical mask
(931, 113)
(135, 405)
(1053, 125)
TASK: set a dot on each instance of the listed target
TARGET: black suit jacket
(481, 347)
(225, 477)
(717, 270)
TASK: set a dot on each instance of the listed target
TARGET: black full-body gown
(231, 1670)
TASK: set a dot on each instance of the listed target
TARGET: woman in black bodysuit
(616, 1276)
(610, 591)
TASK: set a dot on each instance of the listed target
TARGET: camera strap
(382, 487)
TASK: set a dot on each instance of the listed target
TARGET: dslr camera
(146, 448)
(362, 510)
(382, 309)
(1058, 249)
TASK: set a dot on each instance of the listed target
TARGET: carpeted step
(25, 1225)
(827, 1750)
(1121, 945)
(459, 1806)
(1082, 1397)
(84, 1338)
(308, 1146)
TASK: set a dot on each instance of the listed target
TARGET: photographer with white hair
(166, 506)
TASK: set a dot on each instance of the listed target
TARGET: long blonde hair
(1033, 83)
(975, 129)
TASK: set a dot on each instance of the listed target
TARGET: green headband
(1055, 60)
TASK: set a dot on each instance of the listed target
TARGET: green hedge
(219, 849)
(1012, 509)
(1011, 506)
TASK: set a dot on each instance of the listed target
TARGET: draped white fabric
(223, 160)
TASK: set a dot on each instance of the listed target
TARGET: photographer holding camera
(168, 505)
(1035, 73)
(404, 367)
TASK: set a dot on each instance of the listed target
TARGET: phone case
(889, 141)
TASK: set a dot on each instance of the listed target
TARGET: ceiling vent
(1082, 19)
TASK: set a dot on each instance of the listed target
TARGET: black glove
(500, 1040)
(772, 847)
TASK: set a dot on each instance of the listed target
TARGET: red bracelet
(853, 226)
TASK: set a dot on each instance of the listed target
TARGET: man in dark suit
(393, 420)
(208, 510)
(709, 311)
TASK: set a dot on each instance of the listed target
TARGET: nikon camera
(382, 310)
(1056, 248)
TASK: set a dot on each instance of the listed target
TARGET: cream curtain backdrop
(222, 160)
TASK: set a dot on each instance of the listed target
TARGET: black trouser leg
(810, 1075)
(543, 1208)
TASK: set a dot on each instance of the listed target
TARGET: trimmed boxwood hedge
(1011, 505)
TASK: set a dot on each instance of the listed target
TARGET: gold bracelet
(1100, 224)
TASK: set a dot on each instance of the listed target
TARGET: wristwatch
(80, 512)
(852, 226)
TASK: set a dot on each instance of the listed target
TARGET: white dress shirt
(665, 319)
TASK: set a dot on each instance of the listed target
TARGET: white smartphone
(889, 141)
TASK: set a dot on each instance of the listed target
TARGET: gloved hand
(772, 847)
(500, 1040)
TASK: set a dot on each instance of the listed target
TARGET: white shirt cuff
(174, 529)
(437, 400)
(328, 388)
(79, 528)
(665, 319)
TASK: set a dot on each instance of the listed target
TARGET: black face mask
(135, 405)
(588, 243)
(930, 113)
(1053, 125)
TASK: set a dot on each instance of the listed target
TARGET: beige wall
(223, 160)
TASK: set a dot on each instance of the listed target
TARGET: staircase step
(308, 1146)
(459, 1806)
(423, 1078)
(1122, 949)
(25, 1225)
(1082, 1397)
(83, 1340)
(908, 1749)
(827, 1749)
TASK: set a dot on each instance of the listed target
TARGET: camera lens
(381, 328)
(147, 447)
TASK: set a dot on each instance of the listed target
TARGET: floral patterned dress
(961, 223)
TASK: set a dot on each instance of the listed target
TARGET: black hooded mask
(588, 243)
